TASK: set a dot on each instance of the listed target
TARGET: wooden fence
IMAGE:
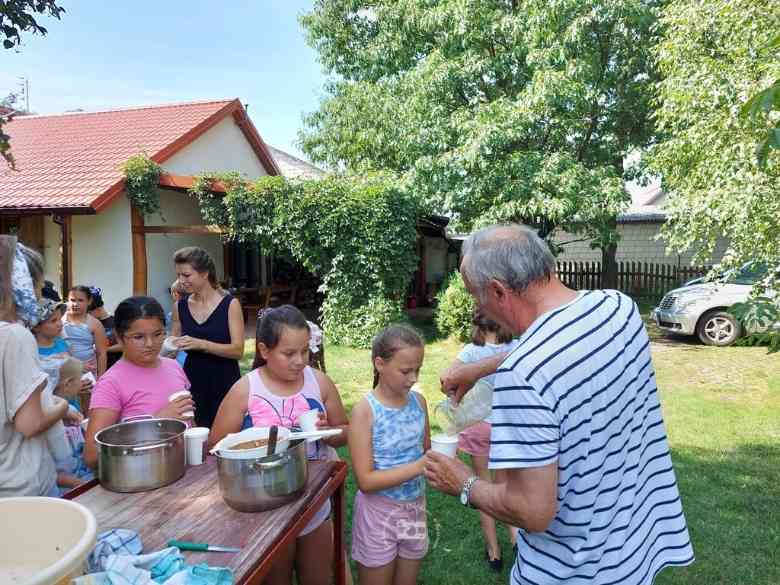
(635, 278)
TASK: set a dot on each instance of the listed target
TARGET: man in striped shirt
(576, 421)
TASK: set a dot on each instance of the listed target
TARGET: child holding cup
(389, 529)
(142, 382)
(283, 390)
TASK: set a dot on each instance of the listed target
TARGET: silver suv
(701, 308)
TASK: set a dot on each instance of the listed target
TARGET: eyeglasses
(140, 339)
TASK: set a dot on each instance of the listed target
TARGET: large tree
(492, 110)
(16, 17)
(714, 57)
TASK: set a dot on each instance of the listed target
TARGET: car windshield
(749, 273)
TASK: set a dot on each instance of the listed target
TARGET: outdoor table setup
(253, 495)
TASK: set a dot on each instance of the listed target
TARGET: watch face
(464, 498)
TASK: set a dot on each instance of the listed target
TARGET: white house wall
(52, 251)
(102, 252)
(221, 148)
(161, 271)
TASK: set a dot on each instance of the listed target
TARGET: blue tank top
(397, 439)
(80, 339)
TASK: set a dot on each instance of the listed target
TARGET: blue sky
(111, 54)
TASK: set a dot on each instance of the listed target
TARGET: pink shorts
(475, 440)
(383, 529)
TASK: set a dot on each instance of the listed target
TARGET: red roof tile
(74, 160)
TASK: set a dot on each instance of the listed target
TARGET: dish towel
(115, 561)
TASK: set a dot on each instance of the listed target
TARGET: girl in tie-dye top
(277, 391)
(389, 529)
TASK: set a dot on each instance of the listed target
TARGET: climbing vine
(357, 235)
(142, 176)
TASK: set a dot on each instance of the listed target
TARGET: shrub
(454, 309)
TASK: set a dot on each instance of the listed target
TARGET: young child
(71, 470)
(142, 382)
(280, 388)
(85, 334)
(389, 529)
(487, 338)
(52, 349)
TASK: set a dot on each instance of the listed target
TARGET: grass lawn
(722, 413)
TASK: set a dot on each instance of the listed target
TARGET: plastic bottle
(475, 406)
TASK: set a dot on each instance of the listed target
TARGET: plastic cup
(445, 444)
(179, 394)
(195, 444)
(308, 420)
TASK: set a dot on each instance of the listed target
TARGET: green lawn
(722, 412)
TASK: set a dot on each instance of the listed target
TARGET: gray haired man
(576, 423)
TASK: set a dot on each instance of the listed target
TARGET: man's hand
(458, 379)
(445, 474)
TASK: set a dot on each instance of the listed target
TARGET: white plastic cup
(308, 420)
(195, 444)
(445, 444)
(179, 394)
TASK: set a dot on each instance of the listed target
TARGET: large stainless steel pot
(254, 485)
(141, 455)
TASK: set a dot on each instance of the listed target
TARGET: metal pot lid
(140, 432)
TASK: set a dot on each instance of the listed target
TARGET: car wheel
(718, 328)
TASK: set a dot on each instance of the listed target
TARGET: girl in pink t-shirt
(141, 382)
(281, 388)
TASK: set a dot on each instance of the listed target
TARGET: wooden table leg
(339, 562)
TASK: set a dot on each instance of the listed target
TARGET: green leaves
(719, 194)
(357, 234)
(142, 176)
(477, 104)
(454, 309)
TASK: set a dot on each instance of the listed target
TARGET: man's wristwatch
(466, 489)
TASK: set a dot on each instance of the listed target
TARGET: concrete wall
(221, 148)
(639, 242)
(102, 252)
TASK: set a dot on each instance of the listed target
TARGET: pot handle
(264, 465)
(149, 447)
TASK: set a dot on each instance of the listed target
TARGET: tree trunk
(609, 267)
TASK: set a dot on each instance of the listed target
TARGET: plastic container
(475, 406)
(45, 541)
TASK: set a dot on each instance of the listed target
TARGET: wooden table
(193, 509)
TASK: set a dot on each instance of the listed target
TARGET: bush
(454, 309)
(347, 323)
(357, 234)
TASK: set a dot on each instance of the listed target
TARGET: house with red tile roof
(66, 194)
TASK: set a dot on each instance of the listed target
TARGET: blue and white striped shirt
(580, 389)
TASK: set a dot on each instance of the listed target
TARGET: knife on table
(201, 546)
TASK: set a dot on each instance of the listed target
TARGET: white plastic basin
(44, 541)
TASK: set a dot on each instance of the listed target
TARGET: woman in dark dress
(210, 328)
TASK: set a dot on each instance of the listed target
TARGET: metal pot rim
(135, 422)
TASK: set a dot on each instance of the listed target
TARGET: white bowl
(46, 541)
(251, 434)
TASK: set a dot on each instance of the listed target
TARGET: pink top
(266, 408)
(132, 390)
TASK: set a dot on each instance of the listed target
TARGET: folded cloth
(164, 567)
(112, 542)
